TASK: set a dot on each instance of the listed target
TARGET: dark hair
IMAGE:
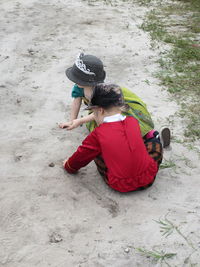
(107, 95)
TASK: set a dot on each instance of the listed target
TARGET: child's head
(87, 71)
(106, 100)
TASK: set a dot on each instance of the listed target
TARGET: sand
(51, 218)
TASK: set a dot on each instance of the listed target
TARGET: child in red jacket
(116, 145)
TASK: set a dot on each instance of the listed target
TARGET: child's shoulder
(131, 97)
(131, 119)
(128, 93)
(77, 91)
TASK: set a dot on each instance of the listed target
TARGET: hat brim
(76, 80)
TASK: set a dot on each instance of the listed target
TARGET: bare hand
(65, 124)
(70, 125)
(64, 162)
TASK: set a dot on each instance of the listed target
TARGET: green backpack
(137, 109)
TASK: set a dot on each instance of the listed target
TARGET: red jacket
(121, 146)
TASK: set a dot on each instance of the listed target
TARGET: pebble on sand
(51, 164)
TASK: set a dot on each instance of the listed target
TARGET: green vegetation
(157, 256)
(167, 228)
(167, 164)
(177, 24)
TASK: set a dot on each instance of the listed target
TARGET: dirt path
(50, 218)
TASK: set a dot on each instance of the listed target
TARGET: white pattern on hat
(81, 66)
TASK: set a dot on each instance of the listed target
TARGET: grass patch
(167, 164)
(167, 227)
(159, 256)
(156, 256)
(178, 24)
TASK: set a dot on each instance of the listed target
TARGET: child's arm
(75, 108)
(85, 153)
(77, 122)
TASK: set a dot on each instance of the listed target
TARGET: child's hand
(68, 168)
(65, 124)
(75, 123)
(64, 162)
(70, 125)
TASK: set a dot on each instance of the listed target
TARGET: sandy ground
(48, 217)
